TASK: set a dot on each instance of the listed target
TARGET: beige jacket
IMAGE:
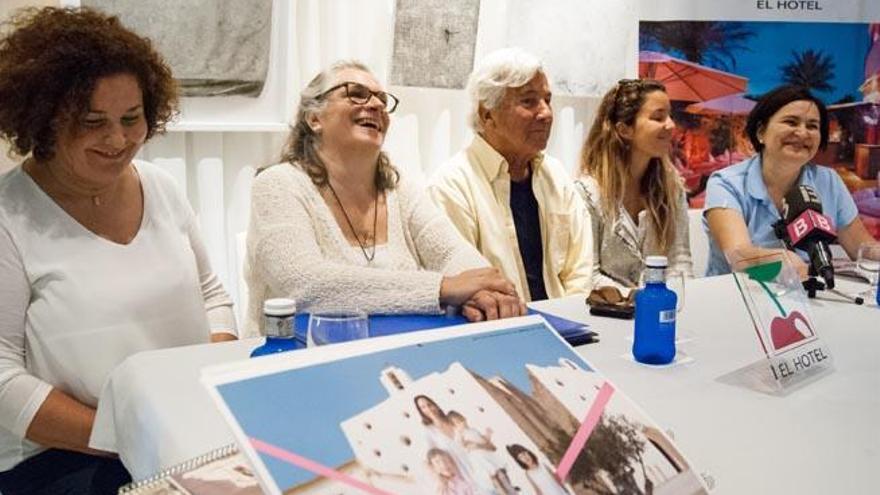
(620, 248)
(474, 189)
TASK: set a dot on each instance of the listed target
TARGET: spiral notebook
(222, 471)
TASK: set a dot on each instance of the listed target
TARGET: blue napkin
(574, 332)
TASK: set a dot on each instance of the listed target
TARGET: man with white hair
(514, 203)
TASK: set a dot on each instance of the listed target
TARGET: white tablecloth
(821, 438)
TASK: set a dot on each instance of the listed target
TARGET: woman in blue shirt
(787, 127)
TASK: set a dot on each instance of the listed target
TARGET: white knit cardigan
(295, 248)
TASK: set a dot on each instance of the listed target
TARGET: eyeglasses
(359, 95)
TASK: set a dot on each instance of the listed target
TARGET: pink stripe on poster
(309, 465)
(583, 433)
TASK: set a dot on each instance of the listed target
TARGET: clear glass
(331, 327)
(868, 265)
(675, 281)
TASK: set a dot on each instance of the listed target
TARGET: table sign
(777, 304)
(501, 407)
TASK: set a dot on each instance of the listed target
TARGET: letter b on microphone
(808, 222)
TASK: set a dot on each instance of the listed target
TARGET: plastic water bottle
(877, 292)
(279, 317)
(654, 339)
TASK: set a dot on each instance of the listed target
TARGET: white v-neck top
(74, 305)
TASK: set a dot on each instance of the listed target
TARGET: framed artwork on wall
(233, 60)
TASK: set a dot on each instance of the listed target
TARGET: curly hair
(50, 62)
(301, 149)
(605, 154)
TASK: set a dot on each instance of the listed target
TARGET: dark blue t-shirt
(528, 234)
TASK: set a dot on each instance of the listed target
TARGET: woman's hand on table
(458, 289)
(492, 305)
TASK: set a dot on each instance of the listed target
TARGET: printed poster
(485, 409)
(717, 58)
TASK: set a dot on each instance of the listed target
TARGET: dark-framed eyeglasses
(359, 94)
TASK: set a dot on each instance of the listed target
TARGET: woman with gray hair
(336, 226)
(515, 204)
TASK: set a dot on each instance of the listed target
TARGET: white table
(822, 438)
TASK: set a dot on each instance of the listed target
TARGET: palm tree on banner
(712, 43)
(811, 69)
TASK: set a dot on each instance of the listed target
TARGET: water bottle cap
(279, 307)
(656, 262)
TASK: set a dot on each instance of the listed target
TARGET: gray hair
(501, 69)
(302, 145)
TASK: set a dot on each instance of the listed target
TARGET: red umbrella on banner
(689, 81)
(735, 104)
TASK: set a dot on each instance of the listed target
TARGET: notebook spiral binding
(188, 465)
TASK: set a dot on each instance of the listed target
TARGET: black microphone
(808, 229)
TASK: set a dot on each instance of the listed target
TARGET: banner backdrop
(717, 58)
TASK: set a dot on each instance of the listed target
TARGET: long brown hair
(301, 149)
(605, 156)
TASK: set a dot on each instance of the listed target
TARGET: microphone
(806, 228)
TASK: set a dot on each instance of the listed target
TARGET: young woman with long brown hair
(633, 192)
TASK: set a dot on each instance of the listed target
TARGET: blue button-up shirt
(741, 187)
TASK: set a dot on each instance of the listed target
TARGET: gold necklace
(372, 255)
(52, 181)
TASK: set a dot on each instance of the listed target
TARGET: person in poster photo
(449, 478)
(632, 191)
(541, 477)
(787, 127)
(440, 429)
(488, 470)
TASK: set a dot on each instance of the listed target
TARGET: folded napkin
(574, 332)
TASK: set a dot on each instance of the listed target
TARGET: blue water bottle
(279, 316)
(654, 339)
(877, 292)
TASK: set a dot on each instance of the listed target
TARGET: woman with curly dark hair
(100, 256)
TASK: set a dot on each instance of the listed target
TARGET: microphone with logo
(803, 226)
(806, 228)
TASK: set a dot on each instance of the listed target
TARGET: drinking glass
(675, 281)
(868, 265)
(331, 327)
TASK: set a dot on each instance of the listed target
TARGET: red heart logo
(784, 331)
